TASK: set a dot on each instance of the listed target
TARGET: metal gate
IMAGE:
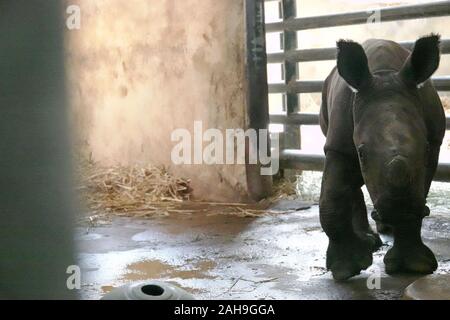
(290, 154)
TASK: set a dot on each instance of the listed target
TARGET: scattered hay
(251, 211)
(131, 190)
(284, 189)
(446, 103)
(151, 191)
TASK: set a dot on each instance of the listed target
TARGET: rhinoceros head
(389, 132)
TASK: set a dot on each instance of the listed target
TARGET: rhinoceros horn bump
(398, 172)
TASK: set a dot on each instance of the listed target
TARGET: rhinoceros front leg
(432, 163)
(361, 222)
(347, 253)
(409, 254)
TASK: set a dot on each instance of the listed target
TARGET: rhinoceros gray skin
(384, 124)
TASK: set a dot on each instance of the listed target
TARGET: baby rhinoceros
(384, 124)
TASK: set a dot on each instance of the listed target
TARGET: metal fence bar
(322, 54)
(297, 87)
(296, 159)
(426, 10)
(310, 119)
(292, 137)
(442, 172)
(440, 83)
(296, 118)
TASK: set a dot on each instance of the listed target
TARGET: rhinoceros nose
(398, 172)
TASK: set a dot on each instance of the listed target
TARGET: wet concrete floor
(279, 256)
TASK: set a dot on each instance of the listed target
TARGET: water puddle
(88, 236)
(154, 269)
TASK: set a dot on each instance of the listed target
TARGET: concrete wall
(140, 69)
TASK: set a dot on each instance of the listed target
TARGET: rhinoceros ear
(352, 64)
(423, 61)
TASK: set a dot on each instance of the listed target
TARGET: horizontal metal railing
(296, 159)
(308, 119)
(296, 118)
(322, 54)
(426, 10)
(314, 86)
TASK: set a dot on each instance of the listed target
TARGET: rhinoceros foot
(371, 238)
(346, 258)
(416, 258)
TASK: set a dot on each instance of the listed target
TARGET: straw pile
(284, 189)
(151, 191)
(446, 103)
(130, 190)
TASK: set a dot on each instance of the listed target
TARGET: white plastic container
(148, 290)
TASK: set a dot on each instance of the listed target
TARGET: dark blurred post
(35, 171)
(290, 71)
(259, 186)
